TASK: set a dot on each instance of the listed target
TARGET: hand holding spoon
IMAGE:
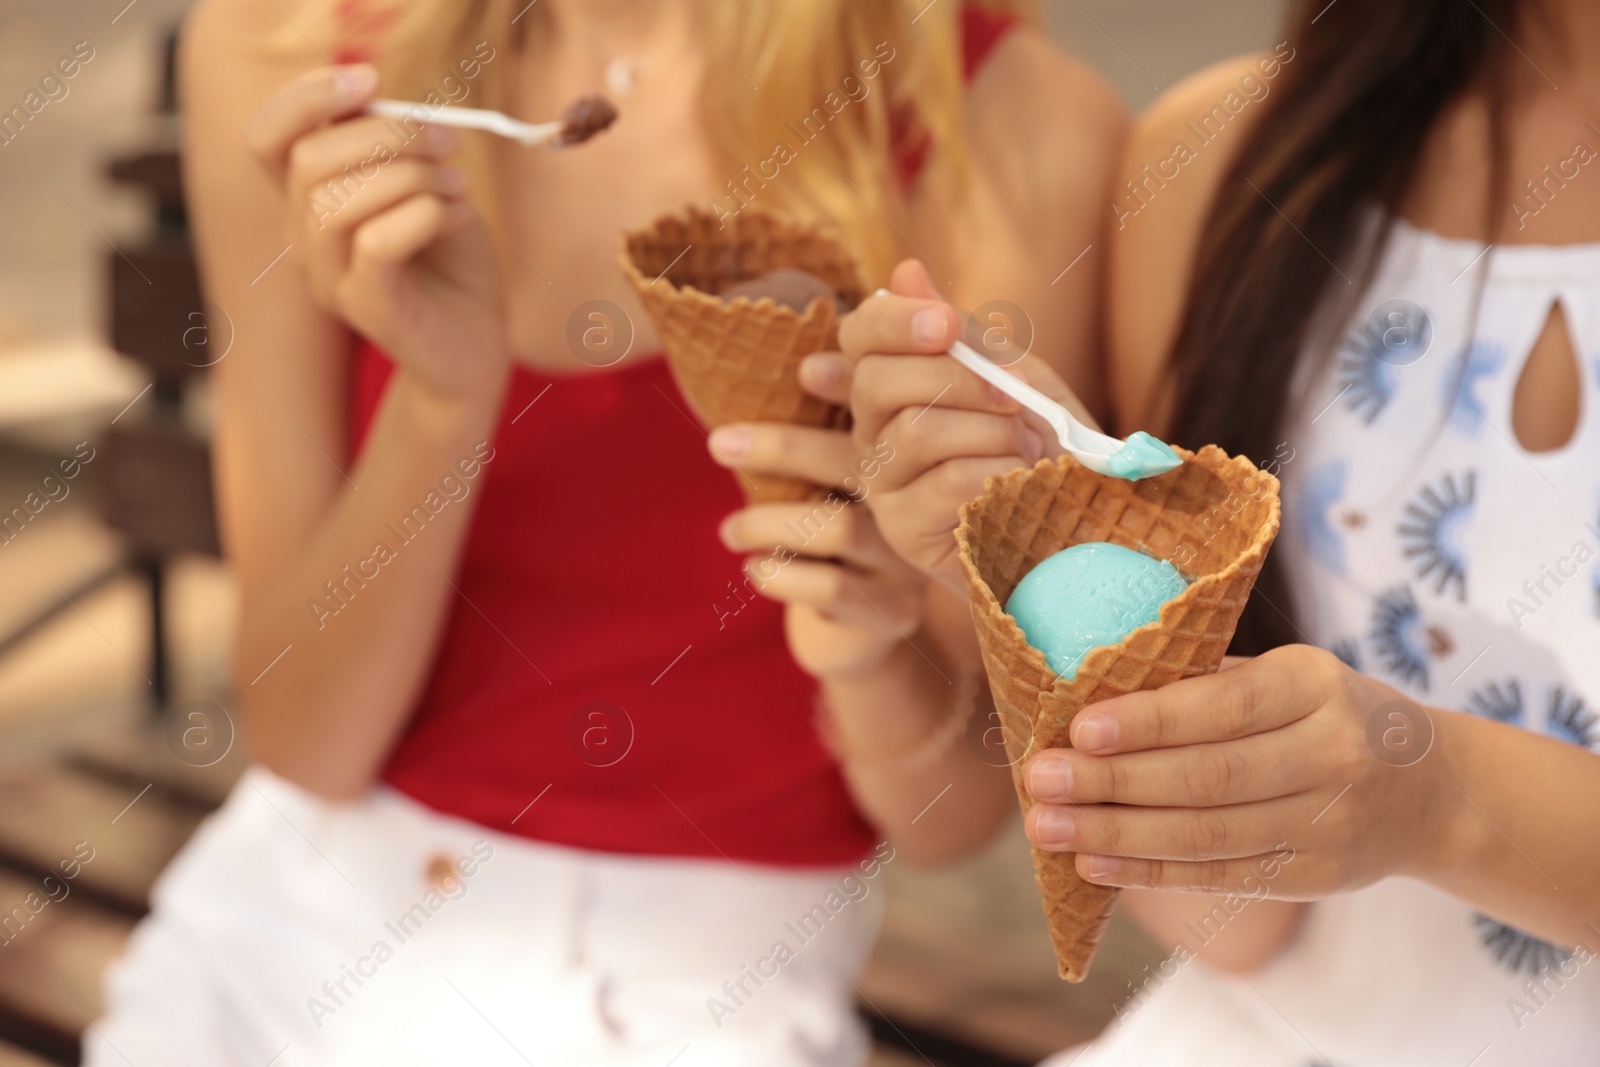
(1140, 456)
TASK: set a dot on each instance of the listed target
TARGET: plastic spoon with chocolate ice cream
(584, 117)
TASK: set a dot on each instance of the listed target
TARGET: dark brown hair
(1345, 131)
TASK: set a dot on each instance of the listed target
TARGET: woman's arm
(1159, 210)
(1154, 228)
(1044, 133)
(895, 653)
(1225, 935)
(322, 695)
(1528, 856)
(904, 735)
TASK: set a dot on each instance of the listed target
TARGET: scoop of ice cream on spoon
(787, 287)
(585, 117)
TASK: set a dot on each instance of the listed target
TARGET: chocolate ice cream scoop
(585, 117)
(786, 286)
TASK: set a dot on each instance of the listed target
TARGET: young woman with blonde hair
(532, 787)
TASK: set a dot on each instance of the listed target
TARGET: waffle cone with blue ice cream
(1214, 519)
(737, 359)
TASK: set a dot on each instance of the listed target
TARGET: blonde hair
(778, 70)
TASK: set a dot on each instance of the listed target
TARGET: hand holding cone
(1214, 518)
(738, 360)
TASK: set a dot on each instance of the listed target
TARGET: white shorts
(296, 932)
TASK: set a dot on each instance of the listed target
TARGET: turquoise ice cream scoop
(1087, 596)
(1141, 456)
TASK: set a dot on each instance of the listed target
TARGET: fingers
(316, 97)
(1188, 834)
(923, 440)
(1198, 776)
(836, 592)
(397, 182)
(911, 278)
(338, 162)
(819, 530)
(1256, 696)
(827, 458)
(385, 244)
(1245, 878)
(883, 386)
(919, 520)
(899, 324)
(341, 178)
(827, 375)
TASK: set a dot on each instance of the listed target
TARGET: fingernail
(731, 441)
(1050, 779)
(443, 138)
(455, 176)
(729, 529)
(1054, 827)
(1099, 866)
(820, 371)
(928, 325)
(1094, 733)
(358, 79)
(1032, 446)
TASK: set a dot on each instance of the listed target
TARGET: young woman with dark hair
(1380, 278)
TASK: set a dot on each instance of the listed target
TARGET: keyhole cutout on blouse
(1547, 400)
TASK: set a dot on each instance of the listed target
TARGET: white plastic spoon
(1140, 456)
(584, 118)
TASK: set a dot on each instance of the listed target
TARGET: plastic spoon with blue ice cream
(1140, 456)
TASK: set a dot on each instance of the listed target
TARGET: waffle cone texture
(1214, 518)
(738, 360)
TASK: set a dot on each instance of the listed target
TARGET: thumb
(911, 278)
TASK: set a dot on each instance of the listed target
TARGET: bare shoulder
(233, 55)
(1028, 77)
(232, 48)
(1175, 159)
(1044, 133)
(1055, 121)
(219, 32)
(1193, 129)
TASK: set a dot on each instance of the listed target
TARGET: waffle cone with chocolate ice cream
(1214, 518)
(736, 357)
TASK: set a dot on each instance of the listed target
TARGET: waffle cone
(1214, 518)
(736, 361)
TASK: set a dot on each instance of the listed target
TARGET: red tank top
(599, 682)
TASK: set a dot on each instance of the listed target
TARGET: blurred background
(116, 613)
